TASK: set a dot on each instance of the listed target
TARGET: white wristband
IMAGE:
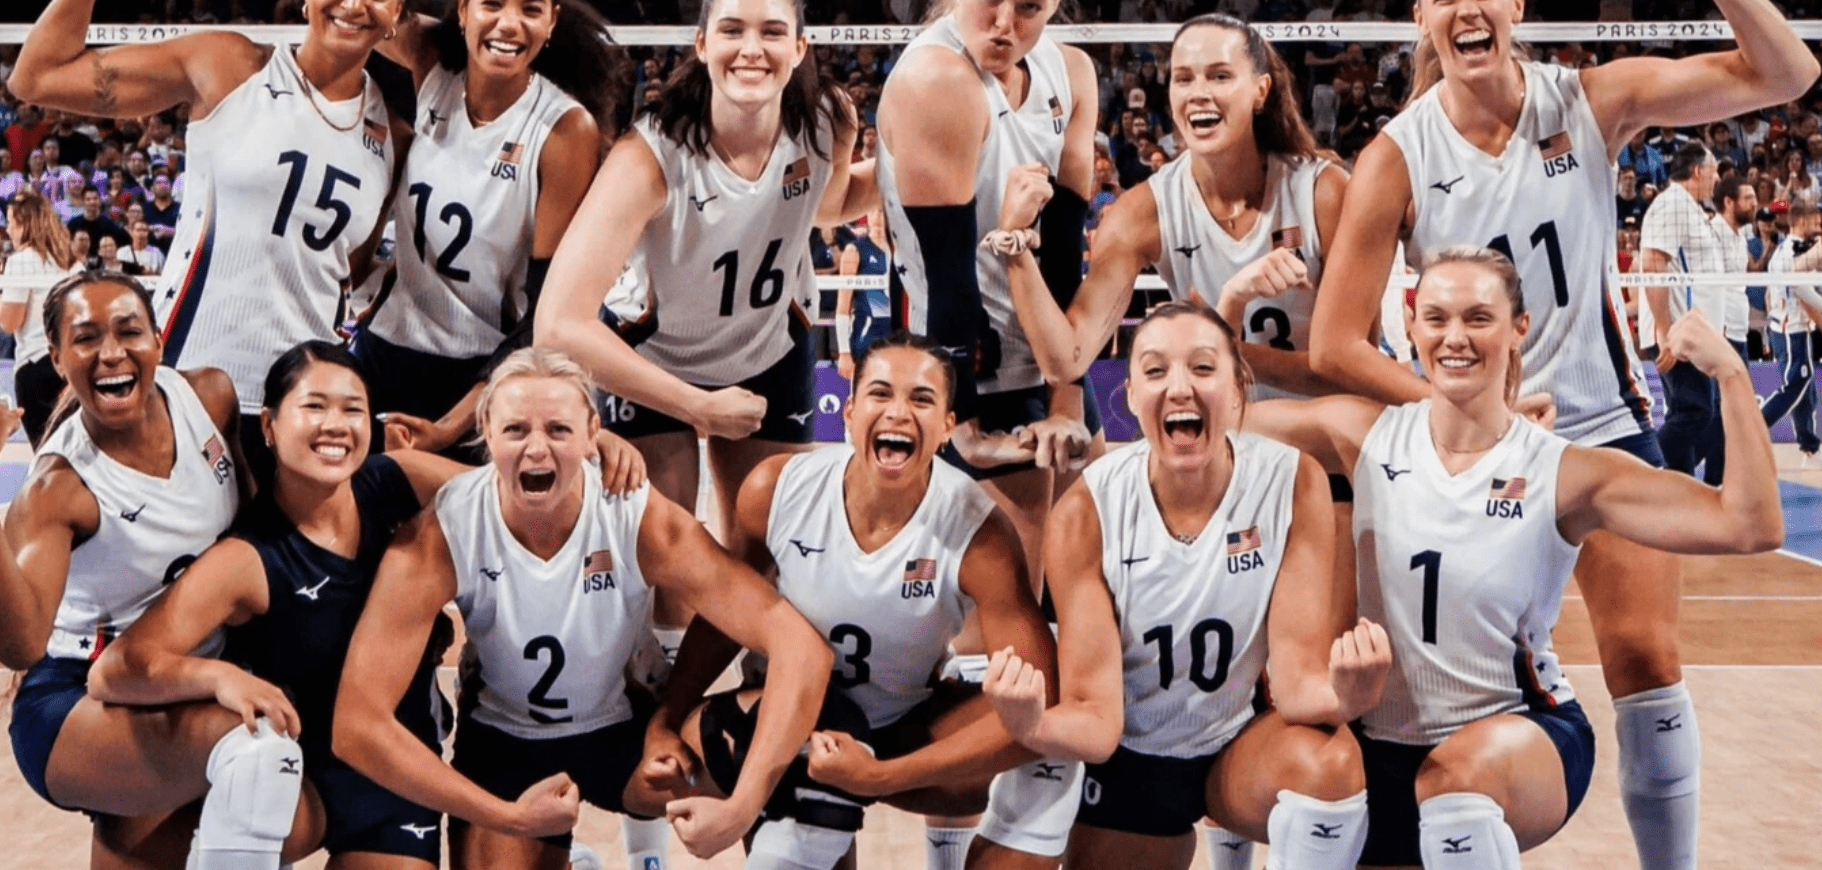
(844, 332)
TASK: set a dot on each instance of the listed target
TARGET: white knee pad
(1031, 808)
(648, 842)
(1465, 831)
(254, 779)
(1226, 849)
(1311, 834)
(1660, 775)
(787, 844)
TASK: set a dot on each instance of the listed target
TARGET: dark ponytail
(1279, 126)
(581, 58)
(681, 111)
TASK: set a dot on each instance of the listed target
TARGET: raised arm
(1086, 720)
(152, 663)
(42, 525)
(848, 195)
(1770, 65)
(1354, 281)
(1313, 681)
(1329, 429)
(416, 578)
(412, 46)
(1665, 510)
(57, 69)
(677, 554)
(627, 191)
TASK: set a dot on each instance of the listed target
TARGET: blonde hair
(534, 362)
(1494, 262)
(1426, 63)
(41, 230)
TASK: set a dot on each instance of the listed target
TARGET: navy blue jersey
(315, 598)
(873, 259)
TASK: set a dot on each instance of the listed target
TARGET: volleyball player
(1478, 749)
(512, 97)
(982, 90)
(127, 489)
(290, 158)
(1515, 154)
(885, 551)
(553, 578)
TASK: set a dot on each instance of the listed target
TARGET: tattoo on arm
(105, 77)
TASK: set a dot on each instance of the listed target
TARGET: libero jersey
(548, 641)
(276, 201)
(1031, 133)
(1192, 616)
(1548, 200)
(888, 615)
(1198, 258)
(1465, 571)
(725, 261)
(151, 528)
(465, 213)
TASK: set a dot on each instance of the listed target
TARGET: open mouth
(892, 450)
(347, 26)
(1474, 43)
(116, 386)
(1455, 363)
(503, 48)
(334, 452)
(1182, 427)
(1204, 120)
(538, 480)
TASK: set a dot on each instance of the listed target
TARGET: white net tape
(1283, 31)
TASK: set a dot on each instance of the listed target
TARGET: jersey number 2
(539, 696)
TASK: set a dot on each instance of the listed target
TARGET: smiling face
(1186, 389)
(540, 432)
(751, 47)
(504, 35)
(999, 33)
(1473, 38)
(1214, 89)
(1463, 327)
(899, 415)
(350, 26)
(107, 351)
(320, 430)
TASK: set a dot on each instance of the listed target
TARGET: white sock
(1660, 774)
(1465, 831)
(648, 842)
(254, 780)
(1311, 834)
(946, 848)
(1226, 849)
(584, 857)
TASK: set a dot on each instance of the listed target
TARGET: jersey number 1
(1431, 563)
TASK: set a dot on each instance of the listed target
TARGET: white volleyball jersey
(1197, 257)
(1192, 616)
(548, 641)
(277, 201)
(888, 615)
(725, 261)
(465, 214)
(151, 528)
(1782, 308)
(1466, 573)
(1031, 133)
(1549, 201)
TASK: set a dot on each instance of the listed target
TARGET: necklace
(1184, 539)
(310, 94)
(1468, 451)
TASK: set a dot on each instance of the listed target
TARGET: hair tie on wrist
(1011, 243)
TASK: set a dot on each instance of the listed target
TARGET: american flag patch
(511, 152)
(1244, 541)
(599, 562)
(375, 130)
(1502, 488)
(1555, 146)
(797, 171)
(1288, 237)
(212, 451)
(920, 569)
(1056, 107)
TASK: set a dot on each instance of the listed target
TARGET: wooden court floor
(1752, 644)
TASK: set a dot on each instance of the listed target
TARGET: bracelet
(1011, 243)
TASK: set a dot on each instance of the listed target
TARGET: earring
(391, 32)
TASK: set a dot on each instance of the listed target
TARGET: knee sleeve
(1465, 831)
(787, 844)
(1660, 748)
(1311, 834)
(254, 779)
(647, 842)
(1226, 849)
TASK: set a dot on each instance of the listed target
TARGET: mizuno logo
(804, 549)
(1392, 473)
(1130, 561)
(803, 417)
(435, 118)
(1235, 845)
(132, 516)
(1051, 770)
(1325, 832)
(288, 765)
(938, 843)
(1189, 250)
(492, 573)
(311, 592)
(1670, 724)
(1457, 845)
(275, 92)
(1448, 186)
(699, 203)
(418, 831)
